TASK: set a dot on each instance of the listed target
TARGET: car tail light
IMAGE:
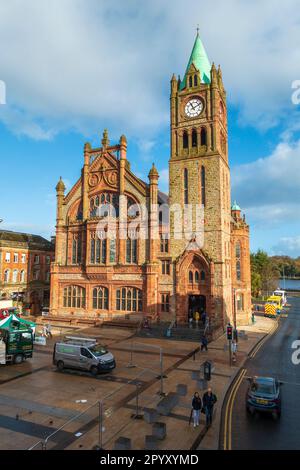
(275, 401)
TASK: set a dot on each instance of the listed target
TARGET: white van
(84, 354)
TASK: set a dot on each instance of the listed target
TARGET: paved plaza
(36, 399)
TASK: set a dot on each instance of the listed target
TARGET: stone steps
(180, 333)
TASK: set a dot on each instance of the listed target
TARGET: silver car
(84, 354)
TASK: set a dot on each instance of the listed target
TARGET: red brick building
(25, 264)
(185, 263)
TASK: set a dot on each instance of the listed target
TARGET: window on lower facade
(112, 251)
(129, 299)
(164, 244)
(240, 302)
(100, 298)
(165, 303)
(238, 254)
(131, 251)
(76, 249)
(74, 297)
(98, 249)
(166, 267)
(6, 275)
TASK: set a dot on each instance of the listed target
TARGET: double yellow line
(234, 390)
(229, 408)
(260, 345)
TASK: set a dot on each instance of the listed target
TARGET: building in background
(25, 262)
(168, 277)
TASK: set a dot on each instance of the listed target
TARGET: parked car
(264, 395)
(84, 354)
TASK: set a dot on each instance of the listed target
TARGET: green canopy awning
(15, 323)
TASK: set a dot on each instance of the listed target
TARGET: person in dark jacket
(196, 409)
(204, 343)
(209, 401)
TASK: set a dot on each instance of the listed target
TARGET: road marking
(260, 345)
(229, 407)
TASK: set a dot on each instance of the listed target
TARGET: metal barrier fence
(99, 423)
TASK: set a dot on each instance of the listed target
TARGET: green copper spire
(236, 207)
(200, 60)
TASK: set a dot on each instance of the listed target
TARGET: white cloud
(289, 246)
(72, 64)
(268, 188)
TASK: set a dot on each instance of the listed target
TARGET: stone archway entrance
(194, 285)
(197, 303)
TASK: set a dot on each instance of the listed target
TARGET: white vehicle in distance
(282, 294)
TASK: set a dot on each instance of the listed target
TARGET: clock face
(194, 107)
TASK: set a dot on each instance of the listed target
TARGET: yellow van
(273, 306)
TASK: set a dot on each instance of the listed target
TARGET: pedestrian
(48, 331)
(203, 318)
(197, 317)
(209, 401)
(190, 319)
(204, 343)
(234, 350)
(196, 409)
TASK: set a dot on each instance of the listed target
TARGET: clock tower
(199, 178)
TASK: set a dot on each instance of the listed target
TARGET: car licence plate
(262, 402)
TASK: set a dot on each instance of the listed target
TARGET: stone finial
(123, 140)
(87, 147)
(105, 140)
(153, 173)
(60, 187)
(213, 72)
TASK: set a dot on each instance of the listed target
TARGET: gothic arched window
(194, 138)
(203, 136)
(186, 186)
(191, 277)
(100, 298)
(76, 249)
(195, 80)
(74, 296)
(203, 184)
(191, 81)
(185, 140)
(202, 275)
(197, 276)
(238, 261)
(129, 299)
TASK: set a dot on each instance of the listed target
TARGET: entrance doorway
(197, 303)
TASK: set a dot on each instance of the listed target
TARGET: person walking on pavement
(196, 409)
(204, 343)
(203, 318)
(209, 401)
(234, 350)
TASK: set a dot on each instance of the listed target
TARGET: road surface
(273, 359)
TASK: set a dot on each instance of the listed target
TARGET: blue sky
(73, 68)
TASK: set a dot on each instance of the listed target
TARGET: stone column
(123, 202)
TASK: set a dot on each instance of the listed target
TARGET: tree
(265, 273)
